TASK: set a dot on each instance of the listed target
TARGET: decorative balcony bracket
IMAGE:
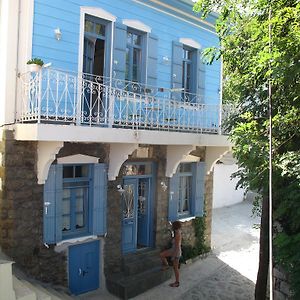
(175, 155)
(117, 156)
(46, 155)
(213, 154)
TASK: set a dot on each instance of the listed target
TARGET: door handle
(79, 271)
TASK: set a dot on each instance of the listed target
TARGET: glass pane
(81, 171)
(79, 221)
(66, 223)
(185, 168)
(68, 172)
(134, 73)
(129, 37)
(136, 56)
(136, 39)
(66, 206)
(100, 29)
(128, 202)
(142, 200)
(88, 26)
(79, 200)
(143, 169)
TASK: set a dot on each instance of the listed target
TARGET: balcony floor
(87, 134)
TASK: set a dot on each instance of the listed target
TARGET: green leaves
(255, 58)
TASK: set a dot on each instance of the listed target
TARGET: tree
(253, 60)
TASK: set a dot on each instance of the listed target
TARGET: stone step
(22, 291)
(140, 256)
(127, 287)
(141, 265)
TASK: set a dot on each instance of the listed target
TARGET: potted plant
(35, 64)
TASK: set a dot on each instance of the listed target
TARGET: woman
(174, 253)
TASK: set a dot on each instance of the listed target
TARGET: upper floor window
(133, 56)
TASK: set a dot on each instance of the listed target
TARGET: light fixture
(166, 60)
(57, 33)
(120, 189)
(163, 186)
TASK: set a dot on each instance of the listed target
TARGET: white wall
(224, 192)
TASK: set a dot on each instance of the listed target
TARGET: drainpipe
(111, 104)
(221, 99)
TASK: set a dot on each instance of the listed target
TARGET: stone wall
(21, 213)
(208, 203)
(281, 285)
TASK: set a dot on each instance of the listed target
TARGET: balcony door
(94, 99)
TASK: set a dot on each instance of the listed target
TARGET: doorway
(137, 200)
(94, 98)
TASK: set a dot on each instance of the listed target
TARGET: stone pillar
(208, 200)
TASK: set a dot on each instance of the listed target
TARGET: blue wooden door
(84, 267)
(129, 215)
(144, 198)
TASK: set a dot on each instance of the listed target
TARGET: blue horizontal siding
(65, 14)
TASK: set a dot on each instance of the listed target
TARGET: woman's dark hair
(176, 225)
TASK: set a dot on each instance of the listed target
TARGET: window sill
(63, 245)
(186, 219)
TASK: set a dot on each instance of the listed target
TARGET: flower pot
(34, 68)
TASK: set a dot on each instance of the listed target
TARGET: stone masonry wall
(208, 203)
(21, 213)
(281, 285)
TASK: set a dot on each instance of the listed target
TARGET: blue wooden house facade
(121, 126)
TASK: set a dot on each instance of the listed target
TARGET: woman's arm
(177, 241)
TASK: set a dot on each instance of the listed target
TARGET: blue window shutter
(198, 188)
(152, 60)
(176, 72)
(119, 57)
(200, 81)
(99, 199)
(173, 198)
(52, 200)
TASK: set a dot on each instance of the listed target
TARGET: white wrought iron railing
(62, 97)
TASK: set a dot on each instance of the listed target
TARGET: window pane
(88, 26)
(68, 172)
(129, 37)
(79, 200)
(136, 39)
(134, 73)
(66, 223)
(136, 56)
(66, 203)
(143, 169)
(79, 221)
(81, 171)
(185, 168)
(100, 29)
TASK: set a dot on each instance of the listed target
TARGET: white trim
(136, 24)
(190, 42)
(78, 159)
(86, 134)
(99, 13)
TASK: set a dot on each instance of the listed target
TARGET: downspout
(221, 99)
(111, 104)
(17, 61)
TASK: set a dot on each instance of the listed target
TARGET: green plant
(189, 251)
(36, 61)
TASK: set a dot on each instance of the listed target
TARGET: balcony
(54, 97)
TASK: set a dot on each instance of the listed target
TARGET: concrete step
(22, 291)
(127, 287)
(140, 266)
(40, 292)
